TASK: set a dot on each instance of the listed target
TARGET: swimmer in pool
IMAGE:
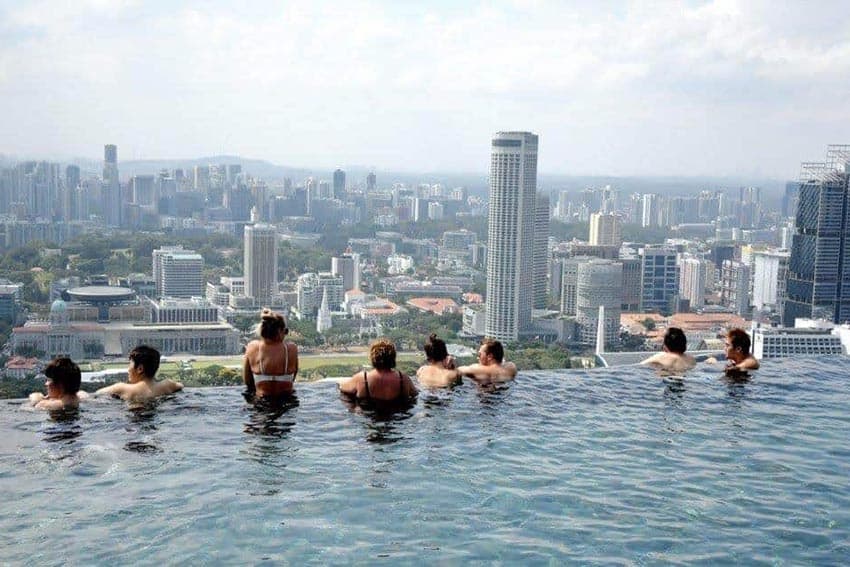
(383, 383)
(440, 370)
(491, 367)
(738, 352)
(672, 356)
(141, 384)
(271, 362)
(63, 386)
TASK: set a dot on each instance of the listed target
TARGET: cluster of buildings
(726, 259)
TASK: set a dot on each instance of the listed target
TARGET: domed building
(58, 336)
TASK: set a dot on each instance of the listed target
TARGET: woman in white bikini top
(271, 362)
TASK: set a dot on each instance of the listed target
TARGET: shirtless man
(63, 386)
(672, 356)
(738, 352)
(141, 385)
(490, 367)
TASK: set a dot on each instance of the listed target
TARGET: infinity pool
(595, 467)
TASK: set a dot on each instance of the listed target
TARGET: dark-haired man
(491, 366)
(672, 356)
(63, 386)
(738, 351)
(141, 384)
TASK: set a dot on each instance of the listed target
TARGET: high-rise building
(819, 267)
(605, 230)
(371, 181)
(569, 283)
(735, 286)
(348, 267)
(659, 280)
(112, 202)
(692, 281)
(178, 272)
(260, 263)
(510, 256)
(541, 250)
(770, 277)
(339, 184)
(599, 282)
(649, 210)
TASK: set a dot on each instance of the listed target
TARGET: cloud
(424, 86)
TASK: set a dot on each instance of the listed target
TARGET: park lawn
(305, 362)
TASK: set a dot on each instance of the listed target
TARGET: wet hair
(494, 348)
(382, 354)
(739, 338)
(63, 372)
(675, 341)
(272, 325)
(146, 357)
(435, 349)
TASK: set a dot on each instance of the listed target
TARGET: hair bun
(432, 337)
(268, 314)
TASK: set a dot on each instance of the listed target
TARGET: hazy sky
(620, 88)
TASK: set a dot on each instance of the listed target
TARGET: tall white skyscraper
(260, 263)
(510, 256)
(692, 278)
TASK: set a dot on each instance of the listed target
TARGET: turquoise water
(606, 467)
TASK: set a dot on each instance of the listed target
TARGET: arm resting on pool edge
(113, 390)
(348, 386)
(248, 375)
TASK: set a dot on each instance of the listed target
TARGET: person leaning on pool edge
(490, 367)
(63, 386)
(673, 355)
(271, 362)
(141, 384)
(383, 383)
(440, 371)
(738, 351)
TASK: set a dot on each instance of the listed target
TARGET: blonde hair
(272, 325)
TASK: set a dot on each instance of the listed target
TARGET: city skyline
(718, 88)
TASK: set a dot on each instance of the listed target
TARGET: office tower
(435, 211)
(659, 280)
(692, 281)
(111, 198)
(143, 189)
(605, 230)
(201, 178)
(420, 209)
(789, 199)
(749, 207)
(234, 170)
(819, 267)
(569, 283)
(347, 266)
(770, 277)
(649, 210)
(735, 286)
(631, 283)
(541, 249)
(371, 181)
(178, 272)
(72, 176)
(339, 184)
(598, 282)
(510, 244)
(260, 263)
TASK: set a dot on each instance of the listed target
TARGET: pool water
(596, 467)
